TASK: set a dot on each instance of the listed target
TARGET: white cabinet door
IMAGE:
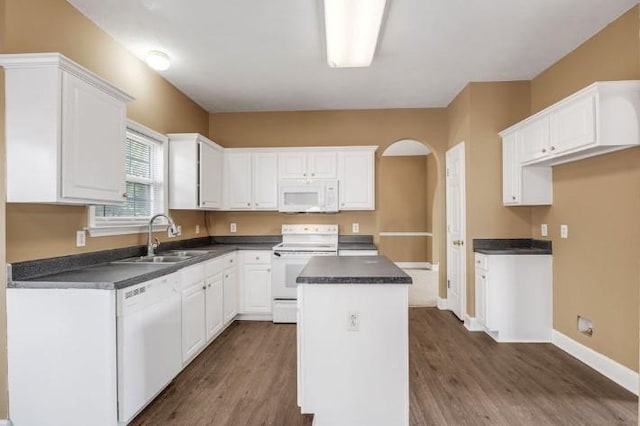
(292, 165)
(573, 126)
(265, 181)
(510, 171)
(214, 305)
(257, 289)
(356, 180)
(481, 296)
(230, 294)
(238, 173)
(210, 183)
(193, 320)
(534, 140)
(322, 165)
(93, 143)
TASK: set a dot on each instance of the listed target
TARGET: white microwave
(315, 196)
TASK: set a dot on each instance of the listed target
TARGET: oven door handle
(277, 254)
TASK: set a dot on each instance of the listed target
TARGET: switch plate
(353, 321)
(355, 228)
(197, 229)
(81, 238)
(233, 227)
(564, 231)
(544, 230)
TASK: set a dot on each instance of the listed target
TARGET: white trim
(622, 375)
(254, 317)
(414, 265)
(145, 131)
(472, 324)
(106, 231)
(442, 304)
(303, 149)
(6, 422)
(405, 234)
(435, 266)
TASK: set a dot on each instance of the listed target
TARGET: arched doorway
(409, 230)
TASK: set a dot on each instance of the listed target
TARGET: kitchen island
(353, 341)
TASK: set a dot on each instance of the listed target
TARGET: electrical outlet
(353, 321)
(355, 228)
(197, 229)
(564, 231)
(81, 238)
(544, 230)
(233, 227)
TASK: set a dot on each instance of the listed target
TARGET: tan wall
(494, 107)
(37, 231)
(596, 271)
(397, 179)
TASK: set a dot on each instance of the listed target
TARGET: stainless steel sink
(155, 259)
(187, 253)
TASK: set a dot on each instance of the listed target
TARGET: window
(146, 190)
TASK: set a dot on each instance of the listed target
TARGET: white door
(456, 221)
(193, 320)
(355, 180)
(533, 140)
(238, 171)
(257, 289)
(210, 176)
(574, 125)
(93, 143)
(265, 181)
(214, 305)
(322, 164)
(230, 294)
(292, 165)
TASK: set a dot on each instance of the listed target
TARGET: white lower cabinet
(230, 288)
(514, 296)
(214, 304)
(255, 279)
(193, 312)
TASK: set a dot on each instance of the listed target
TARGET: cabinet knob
(256, 204)
(484, 276)
(209, 286)
(313, 174)
(553, 148)
(257, 257)
(125, 195)
(204, 287)
(544, 150)
(304, 174)
(513, 197)
(269, 270)
(478, 261)
(249, 204)
(230, 260)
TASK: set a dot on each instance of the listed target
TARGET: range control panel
(309, 229)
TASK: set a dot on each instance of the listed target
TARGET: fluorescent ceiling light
(352, 28)
(158, 60)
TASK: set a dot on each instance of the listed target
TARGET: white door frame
(459, 150)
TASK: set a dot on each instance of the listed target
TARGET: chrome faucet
(151, 246)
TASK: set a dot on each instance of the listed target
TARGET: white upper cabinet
(251, 180)
(70, 124)
(320, 164)
(598, 119)
(195, 172)
(356, 179)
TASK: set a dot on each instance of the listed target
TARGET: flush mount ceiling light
(158, 60)
(352, 28)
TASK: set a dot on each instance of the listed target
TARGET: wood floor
(247, 377)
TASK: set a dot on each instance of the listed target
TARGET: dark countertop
(356, 242)
(511, 246)
(70, 272)
(357, 246)
(352, 270)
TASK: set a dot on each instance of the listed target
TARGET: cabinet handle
(553, 148)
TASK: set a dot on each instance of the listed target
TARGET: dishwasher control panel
(139, 296)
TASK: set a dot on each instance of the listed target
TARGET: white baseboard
(252, 317)
(471, 324)
(442, 304)
(414, 265)
(617, 372)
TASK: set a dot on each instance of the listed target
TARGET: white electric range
(299, 244)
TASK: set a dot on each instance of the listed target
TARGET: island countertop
(352, 270)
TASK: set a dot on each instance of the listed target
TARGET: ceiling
(258, 55)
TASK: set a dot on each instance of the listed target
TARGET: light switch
(564, 231)
(353, 321)
(197, 229)
(544, 230)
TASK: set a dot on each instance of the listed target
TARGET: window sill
(107, 231)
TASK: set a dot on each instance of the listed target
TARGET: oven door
(284, 271)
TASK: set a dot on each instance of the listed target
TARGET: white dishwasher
(149, 337)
